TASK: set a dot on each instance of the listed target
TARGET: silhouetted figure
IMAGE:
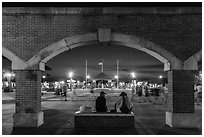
(139, 92)
(124, 103)
(101, 103)
(156, 95)
(64, 88)
(133, 92)
(198, 94)
(146, 93)
(74, 95)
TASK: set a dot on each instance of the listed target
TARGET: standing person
(124, 103)
(101, 103)
(92, 93)
(146, 92)
(162, 91)
(156, 95)
(64, 88)
(143, 92)
(139, 92)
(74, 96)
(133, 92)
(198, 94)
(61, 93)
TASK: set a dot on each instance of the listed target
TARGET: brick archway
(180, 80)
(170, 61)
(192, 62)
(16, 61)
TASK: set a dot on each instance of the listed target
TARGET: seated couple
(123, 103)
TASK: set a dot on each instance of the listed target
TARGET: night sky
(145, 66)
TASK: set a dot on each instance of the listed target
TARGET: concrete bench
(103, 120)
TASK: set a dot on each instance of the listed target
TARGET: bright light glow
(87, 76)
(116, 77)
(61, 82)
(7, 74)
(70, 74)
(43, 76)
(133, 74)
(160, 77)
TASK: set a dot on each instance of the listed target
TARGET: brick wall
(28, 91)
(26, 34)
(104, 120)
(180, 88)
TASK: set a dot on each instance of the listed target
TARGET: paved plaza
(59, 117)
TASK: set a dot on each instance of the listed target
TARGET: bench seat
(103, 120)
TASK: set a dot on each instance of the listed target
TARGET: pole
(102, 66)
(117, 73)
(70, 83)
(86, 74)
(9, 83)
(102, 71)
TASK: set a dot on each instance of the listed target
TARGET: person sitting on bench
(101, 103)
(124, 103)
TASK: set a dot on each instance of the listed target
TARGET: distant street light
(133, 76)
(62, 82)
(70, 74)
(44, 77)
(88, 77)
(7, 75)
(161, 78)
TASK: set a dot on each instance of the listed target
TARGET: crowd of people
(198, 94)
(142, 93)
(145, 93)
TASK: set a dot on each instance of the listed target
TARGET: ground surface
(59, 117)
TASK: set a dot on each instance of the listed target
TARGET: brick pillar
(180, 99)
(28, 99)
(181, 91)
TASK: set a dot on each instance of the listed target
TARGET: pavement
(9, 97)
(59, 118)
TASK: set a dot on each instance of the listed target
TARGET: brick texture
(181, 91)
(26, 34)
(104, 121)
(28, 91)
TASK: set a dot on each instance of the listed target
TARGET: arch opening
(146, 46)
(17, 63)
(129, 60)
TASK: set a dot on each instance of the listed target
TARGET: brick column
(28, 99)
(181, 99)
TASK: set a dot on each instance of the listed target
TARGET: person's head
(123, 94)
(102, 94)
(198, 84)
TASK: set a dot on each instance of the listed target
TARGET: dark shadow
(167, 130)
(106, 131)
(8, 101)
(53, 121)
